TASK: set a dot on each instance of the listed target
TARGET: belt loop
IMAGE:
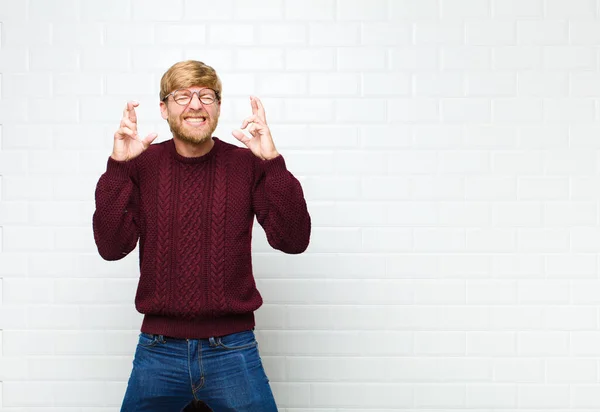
(161, 339)
(212, 342)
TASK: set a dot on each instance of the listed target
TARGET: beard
(191, 134)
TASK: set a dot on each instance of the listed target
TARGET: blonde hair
(189, 73)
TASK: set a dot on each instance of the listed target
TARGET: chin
(194, 139)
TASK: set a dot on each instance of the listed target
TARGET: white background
(449, 154)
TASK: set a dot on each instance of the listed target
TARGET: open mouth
(195, 120)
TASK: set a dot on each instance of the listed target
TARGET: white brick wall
(449, 154)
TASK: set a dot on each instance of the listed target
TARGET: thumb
(147, 141)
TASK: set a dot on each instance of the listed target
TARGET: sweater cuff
(119, 170)
(274, 167)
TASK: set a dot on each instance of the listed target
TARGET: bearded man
(191, 202)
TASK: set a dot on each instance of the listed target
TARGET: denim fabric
(226, 373)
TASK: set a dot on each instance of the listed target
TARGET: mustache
(198, 113)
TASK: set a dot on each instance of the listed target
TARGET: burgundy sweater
(193, 218)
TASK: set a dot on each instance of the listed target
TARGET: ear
(164, 110)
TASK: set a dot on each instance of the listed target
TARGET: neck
(189, 149)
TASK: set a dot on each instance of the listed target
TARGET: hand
(260, 142)
(128, 144)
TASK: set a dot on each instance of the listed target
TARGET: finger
(126, 132)
(147, 141)
(254, 106)
(125, 122)
(131, 115)
(238, 134)
(248, 120)
(260, 110)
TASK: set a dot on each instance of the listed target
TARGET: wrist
(271, 155)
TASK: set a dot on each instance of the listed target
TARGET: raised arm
(278, 199)
(117, 194)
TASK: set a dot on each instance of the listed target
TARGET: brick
(361, 58)
(517, 8)
(313, 59)
(26, 34)
(543, 240)
(53, 58)
(520, 110)
(437, 188)
(569, 58)
(391, 34)
(544, 396)
(362, 11)
(109, 10)
(414, 58)
(413, 110)
(461, 214)
(206, 10)
(575, 9)
(466, 110)
(281, 84)
(230, 34)
(259, 59)
(514, 370)
(445, 34)
(282, 34)
(438, 136)
(554, 292)
(366, 110)
(79, 34)
(466, 58)
(386, 84)
(490, 33)
(152, 10)
(415, 10)
(517, 58)
(258, 10)
(179, 34)
(464, 162)
(542, 32)
(106, 58)
(492, 395)
(491, 84)
(310, 10)
(438, 85)
(328, 84)
(495, 292)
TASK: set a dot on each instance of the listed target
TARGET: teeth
(195, 119)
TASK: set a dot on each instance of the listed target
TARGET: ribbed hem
(119, 169)
(197, 328)
(274, 167)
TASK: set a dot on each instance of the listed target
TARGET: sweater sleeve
(280, 207)
(115, 219)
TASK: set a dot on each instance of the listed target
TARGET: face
(194, 122)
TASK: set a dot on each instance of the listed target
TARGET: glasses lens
(182, 97)
(207, 97)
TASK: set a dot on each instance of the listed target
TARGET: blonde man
(191, 203)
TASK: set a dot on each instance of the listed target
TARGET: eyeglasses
(183, 97)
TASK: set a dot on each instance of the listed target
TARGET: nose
(195, 102)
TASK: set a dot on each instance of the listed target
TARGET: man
(191, 202)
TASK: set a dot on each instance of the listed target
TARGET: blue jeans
(226, 373)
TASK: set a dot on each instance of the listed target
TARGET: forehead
(196, 88)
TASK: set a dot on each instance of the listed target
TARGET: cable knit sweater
(193, 218)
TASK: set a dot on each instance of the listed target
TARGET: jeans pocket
(237, 341)
(146, 340)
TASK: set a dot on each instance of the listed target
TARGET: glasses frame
(217, 96)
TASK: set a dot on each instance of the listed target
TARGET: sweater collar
(193, 160)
